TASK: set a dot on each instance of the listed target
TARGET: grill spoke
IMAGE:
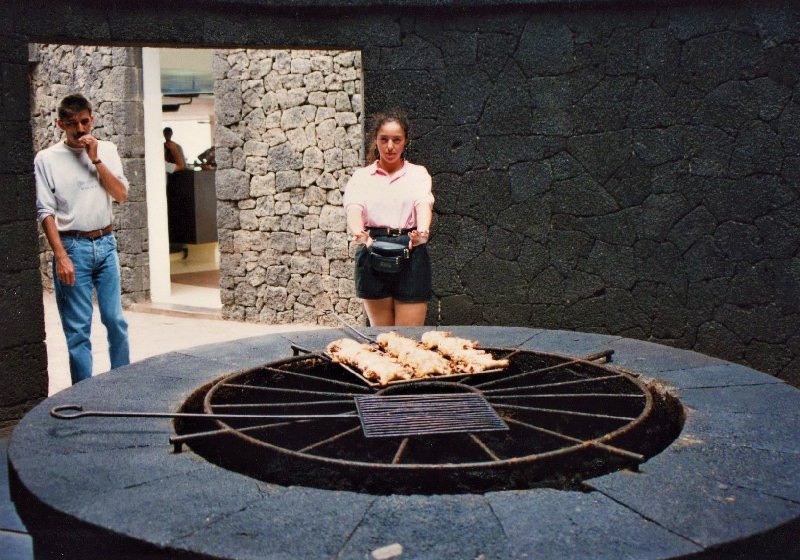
(316, 378)
(178, 440)
(565, 395)
(286, 390)
(592, 442)
(484, 447)
(400, 450)
(558, 384)
(546, 369)
(330, 439)
(561, 411)
(281, 404)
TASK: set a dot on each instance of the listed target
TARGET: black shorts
(410, 285)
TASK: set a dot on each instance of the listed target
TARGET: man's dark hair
(167, 131)
(72, 105)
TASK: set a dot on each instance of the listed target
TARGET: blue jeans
(96, 267)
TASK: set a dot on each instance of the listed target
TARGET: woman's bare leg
(410, 314)
(380, 312)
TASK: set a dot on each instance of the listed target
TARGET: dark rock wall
(624, 171)
(598, 166)
(23, 355)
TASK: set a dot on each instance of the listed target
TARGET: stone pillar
(23, 355)
(288, 137)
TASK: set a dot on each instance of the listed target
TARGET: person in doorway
(76, 181)
(173, 153)
(390, 200)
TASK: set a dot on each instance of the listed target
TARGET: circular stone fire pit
(113, 488)
(545, 420)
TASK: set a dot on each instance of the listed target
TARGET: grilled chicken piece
(464, 354)
(372, 363)
(423, 362)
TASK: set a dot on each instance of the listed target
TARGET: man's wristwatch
(97, 161)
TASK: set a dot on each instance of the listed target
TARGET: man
(76, 180)
(173, 153)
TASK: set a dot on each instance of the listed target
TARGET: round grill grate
(567, 419)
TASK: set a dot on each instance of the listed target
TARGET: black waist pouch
(388, 257)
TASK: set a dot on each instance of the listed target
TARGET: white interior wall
(194, 136)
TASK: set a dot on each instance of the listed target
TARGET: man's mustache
(80, 134)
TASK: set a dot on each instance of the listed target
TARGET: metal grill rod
(589, 358)
(315, 378)
(557, 384)
(346, 324)
(594, 443)
(414, 415)
(281, 404)
(560, 411)
(78, 412)
(178, 441)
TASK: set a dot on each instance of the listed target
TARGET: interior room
(187, 108)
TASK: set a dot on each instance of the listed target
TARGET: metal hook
(57, 412)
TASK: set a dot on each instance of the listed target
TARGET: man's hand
(89, 144)
(65, 270)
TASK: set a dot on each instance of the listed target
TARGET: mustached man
(76, 180)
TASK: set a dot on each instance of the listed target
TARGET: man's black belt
(387, 232)
(93, 234)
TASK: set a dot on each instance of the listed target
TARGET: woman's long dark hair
(377, 121)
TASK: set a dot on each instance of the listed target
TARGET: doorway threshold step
(177, 310)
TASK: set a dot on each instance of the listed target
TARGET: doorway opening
(184, 257)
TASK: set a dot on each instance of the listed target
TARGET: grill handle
(352, 328)
(73, 411)
(604, 355)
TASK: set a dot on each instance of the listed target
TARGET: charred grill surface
(567, 419)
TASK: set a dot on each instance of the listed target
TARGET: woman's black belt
(387, 232)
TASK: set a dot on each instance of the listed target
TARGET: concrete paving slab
(710, 511)
(279, 526)
(16, 546)
(650, 358)
(9, 520)
(430, 527)
(569, 343)
(775, 398)
(744, 429)
(725, 375)
(547, 523)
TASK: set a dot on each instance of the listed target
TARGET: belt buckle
(395, 232)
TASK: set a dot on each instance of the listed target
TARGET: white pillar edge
(155, 178)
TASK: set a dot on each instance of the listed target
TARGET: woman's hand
(417, 238)
(362, 237)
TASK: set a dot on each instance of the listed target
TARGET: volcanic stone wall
(289, 135)
(600, 166)
(23, 355)
(110, 77)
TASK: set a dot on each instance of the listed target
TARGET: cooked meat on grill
(423, 362)
(371, 362)
(465, 357)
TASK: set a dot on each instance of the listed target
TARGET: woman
(391, 200)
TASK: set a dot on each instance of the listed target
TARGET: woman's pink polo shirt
(389, 202)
